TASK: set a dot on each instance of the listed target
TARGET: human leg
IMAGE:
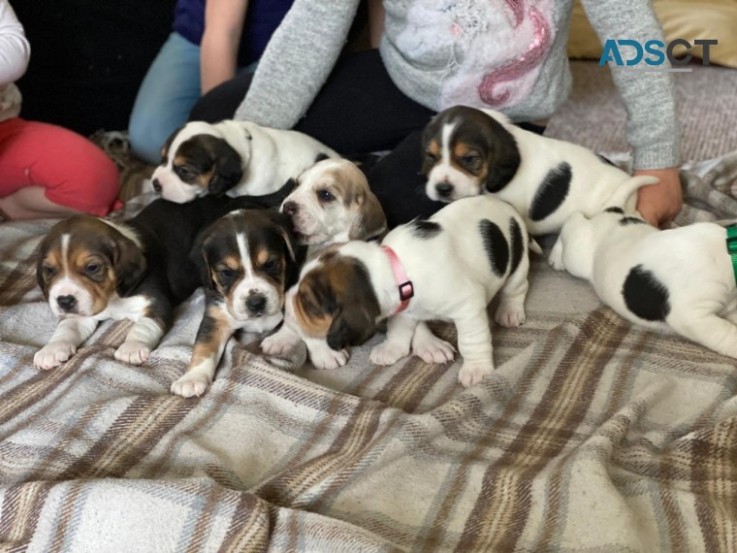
(49, 171)
(168, 91)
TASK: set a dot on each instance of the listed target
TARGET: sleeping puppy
(448, 267)
(332, 202)
(247, 259)
(680, 278)
(470, 151)
(236, 158)
(91, 270)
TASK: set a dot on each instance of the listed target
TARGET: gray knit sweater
(508, 55)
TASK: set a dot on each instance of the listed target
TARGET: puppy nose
(444, 189)
(256, 303)
(289, 208)
(66, 303)
(157, 186)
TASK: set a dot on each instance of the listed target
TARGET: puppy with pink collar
(679, 279)
(448, 267)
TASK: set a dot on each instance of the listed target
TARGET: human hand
(660, 203)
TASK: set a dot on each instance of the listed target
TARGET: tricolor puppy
(332, 202)
(247, 260)
(470, 151)
(448, 267)
(91, 270)
(236, 158)
(680, 278)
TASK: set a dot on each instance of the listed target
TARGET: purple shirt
(262, 18)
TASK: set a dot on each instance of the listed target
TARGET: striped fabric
(591, 435)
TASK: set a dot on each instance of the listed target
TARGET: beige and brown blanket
(591, 435)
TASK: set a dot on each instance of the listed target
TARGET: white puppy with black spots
(469, 151)
(448, 268)
(680, 279)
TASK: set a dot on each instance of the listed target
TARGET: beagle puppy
(448, 267)
(236, 158)
(91, 269)
(332, 202)
(680, 279)
(247, 259)
(469, 151)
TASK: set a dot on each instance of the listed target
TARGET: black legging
(359, 110)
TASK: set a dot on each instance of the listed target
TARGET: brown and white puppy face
(84, 262)
(247, 259)
(334, 300)
(332, 203)
(198, 160)
(466, 152)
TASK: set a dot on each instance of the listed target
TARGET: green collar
(732, 247)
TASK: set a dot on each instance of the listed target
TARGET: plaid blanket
(591, 435)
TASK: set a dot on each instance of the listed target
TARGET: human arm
(220, 41)
(649, 99)
(14, 48)
(297, 61)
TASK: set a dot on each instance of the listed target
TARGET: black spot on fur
(552, 192)
(645, 295)
(517, 244)
(495, 245)
(425, 229)
(614, 209)
(624, 221)
(321, 156)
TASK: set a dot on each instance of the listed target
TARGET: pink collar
(406, 290)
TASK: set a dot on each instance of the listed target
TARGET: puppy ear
(358, 309)
(228, 170)
(129, 264)
(41, 252)
(352, 326)
(503, 157)
(371, 220)
(428, 133)
(198, 258)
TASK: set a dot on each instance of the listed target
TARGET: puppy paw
(510, 314)
(53, 354)
(473, 373)
(432, 349)
(190, 385)
(388, 353)
(328, 359)
(279, 343)
(133, 352)
(555, 259)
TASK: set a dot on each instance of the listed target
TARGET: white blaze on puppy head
(332, 202)
(84, 263)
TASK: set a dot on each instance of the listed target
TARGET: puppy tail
(626, 189)
(535, 247)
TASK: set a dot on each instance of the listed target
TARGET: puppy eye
(325, 196)
(430, 156)
(48, 271)
(470, 160)
(226, 273)
(93, 269)
(185, 173)
(271, 264)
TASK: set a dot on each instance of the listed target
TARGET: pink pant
(75, 173)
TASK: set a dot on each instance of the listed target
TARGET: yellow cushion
(687, 19)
